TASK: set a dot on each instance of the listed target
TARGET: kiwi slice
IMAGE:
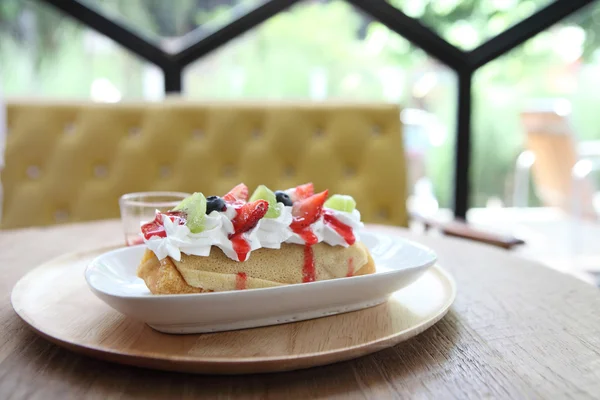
(195, 209)
(341, 202)
(264, 193)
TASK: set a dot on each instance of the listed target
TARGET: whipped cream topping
(268, 233)
(271, 232)
(352, 219)
(180, 239)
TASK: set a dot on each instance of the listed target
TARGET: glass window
(314, 51)
(45, 53)
(348, 57)
(546, 87)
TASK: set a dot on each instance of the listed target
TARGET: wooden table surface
(516, 330)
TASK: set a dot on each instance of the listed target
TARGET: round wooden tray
(55, 301)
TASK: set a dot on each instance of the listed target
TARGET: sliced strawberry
(179, 217)
(301, 192)
(237, 194)
(248, 215)
(156, 227)
(153, 229)
(304, 191)
(307, 211)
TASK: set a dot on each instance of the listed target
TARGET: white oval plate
(112, 277)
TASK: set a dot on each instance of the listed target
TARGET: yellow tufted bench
(69, 162)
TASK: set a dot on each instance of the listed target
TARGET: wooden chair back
(550, 138)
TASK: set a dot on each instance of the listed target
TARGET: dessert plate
(112, 277)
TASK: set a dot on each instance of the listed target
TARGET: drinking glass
(139, 208)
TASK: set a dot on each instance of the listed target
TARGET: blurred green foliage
(328, 49)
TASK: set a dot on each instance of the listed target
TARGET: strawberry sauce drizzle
(350, 267)
(240, 281)
(307, 235)
(309, 274)
(342, 229)
(246, 219)
(240, 246)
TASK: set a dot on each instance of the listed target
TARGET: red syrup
(309, 274)
(240, 281)
(307, 235)
(342, 229)
(350, 267)
(308, 269)
(240, 246)
(247, 216)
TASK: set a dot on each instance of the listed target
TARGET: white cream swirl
(268, 233)
(352, 219)
(179, 238)
(271, 232)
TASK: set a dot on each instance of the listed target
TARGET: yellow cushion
(70, 162)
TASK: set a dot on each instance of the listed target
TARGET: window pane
(554, 79)
(328, 50)
(347, 56)
(468, 23)
(45, 53)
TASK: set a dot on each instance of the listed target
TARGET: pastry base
(264, 268)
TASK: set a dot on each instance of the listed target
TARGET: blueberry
(283, 197)
(215, 203)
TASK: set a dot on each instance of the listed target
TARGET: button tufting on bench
(197, 134)
(164, 171)
(69, 129)
(289, 171)
(100, 171)
(349, 171)
(61, 215)
(135, 131)
(228, 171)
(33, 172)
(382, 213)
